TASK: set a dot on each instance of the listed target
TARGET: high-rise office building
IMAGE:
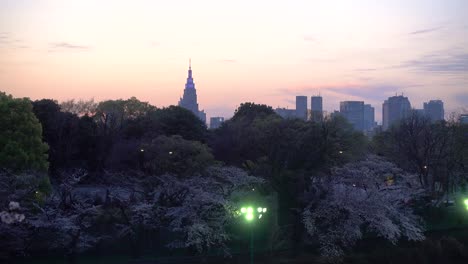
(369, 117)
(301, 107)
(353, 111)
(216, 122)
(394, 109)
(189, 99)
(316, 108)
(434, 110)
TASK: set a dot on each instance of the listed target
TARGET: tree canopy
(21, 145)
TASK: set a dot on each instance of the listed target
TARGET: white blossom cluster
(207, 207)
(13, 215)
(372, 196)
(194, 210)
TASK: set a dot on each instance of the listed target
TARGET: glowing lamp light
(250, 214)
(466, 203)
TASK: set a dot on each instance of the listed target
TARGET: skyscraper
(394, 109)
(353, 111)
(434, 110)
(369, 117)
(301, 107)
(189, 100)
(316, 108)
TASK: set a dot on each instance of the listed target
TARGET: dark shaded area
(124, 171)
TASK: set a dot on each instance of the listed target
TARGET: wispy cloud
(374, 92)
(444, 62)
(3, 36)
(426, 30)
(365, 69)
(64, 46)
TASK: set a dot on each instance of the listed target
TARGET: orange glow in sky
(260, 51)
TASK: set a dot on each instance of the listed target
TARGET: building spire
(190, 70)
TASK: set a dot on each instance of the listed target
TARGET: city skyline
(346, 51)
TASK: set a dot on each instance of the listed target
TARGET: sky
(261, 51)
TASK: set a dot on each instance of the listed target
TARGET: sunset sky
(262, 51)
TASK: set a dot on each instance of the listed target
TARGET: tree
(250, 111)
(432, 150)
(168, 121)
(21, 145)
(245, 137)
(175, 155)
(201, 208)
(112, 115)
(372, 196)
(80, 107)
(60, 132)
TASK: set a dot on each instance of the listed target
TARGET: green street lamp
(466, 203)
(250, 215)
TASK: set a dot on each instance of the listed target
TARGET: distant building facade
(434, 110)
(419, 112)
(369, 117)
(301, 107)
(353, 111)
(189, 99)
(216, 122)
(394, 109)
(463, 119)
(286, 113)
(316, 108)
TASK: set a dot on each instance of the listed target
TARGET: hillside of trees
(85, 177)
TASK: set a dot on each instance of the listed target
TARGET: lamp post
(251, 215)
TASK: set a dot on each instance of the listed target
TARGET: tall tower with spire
(189, 99)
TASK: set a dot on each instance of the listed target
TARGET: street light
(250, 215)
(466, 203)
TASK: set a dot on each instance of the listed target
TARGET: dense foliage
(195, 210)
(21, 146)
(130, 176)
(436, 152)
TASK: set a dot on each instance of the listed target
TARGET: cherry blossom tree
(203, 206)
(370, 196)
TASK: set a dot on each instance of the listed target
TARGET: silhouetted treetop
(249, 111)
